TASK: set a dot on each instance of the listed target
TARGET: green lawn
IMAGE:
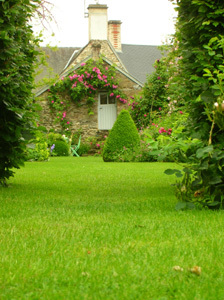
(79, 228)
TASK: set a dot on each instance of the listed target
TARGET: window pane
(111, 100)
(103, 99)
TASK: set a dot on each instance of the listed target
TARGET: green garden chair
(75, 148)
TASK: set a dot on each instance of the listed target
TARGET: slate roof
(56, 60)
(139, 59)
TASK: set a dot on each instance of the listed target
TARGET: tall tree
(17, 57)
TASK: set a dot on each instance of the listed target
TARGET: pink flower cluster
(64, 116)
(100, 76)
(81, 78)
(118, 98)
(163, 130)
(121, 99)
(97, 70)
(133, 104)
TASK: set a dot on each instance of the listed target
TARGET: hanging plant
(83, 83)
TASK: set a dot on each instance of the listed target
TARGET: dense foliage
(122, 137)
(162, 93)
(17, 55)
(154, 95)
(200, 27)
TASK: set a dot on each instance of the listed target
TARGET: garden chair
(75, 148)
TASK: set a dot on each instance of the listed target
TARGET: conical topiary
(124, 135)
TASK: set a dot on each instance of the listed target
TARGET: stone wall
(95, 48)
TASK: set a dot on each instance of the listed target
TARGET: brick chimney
(114, 34)
(98, 22)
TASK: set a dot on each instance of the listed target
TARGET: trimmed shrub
(61, 148)
(123, 136)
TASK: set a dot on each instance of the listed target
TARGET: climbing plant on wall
(83, 83)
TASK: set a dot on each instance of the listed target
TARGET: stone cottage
(132, 63)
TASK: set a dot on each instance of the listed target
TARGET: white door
(107, 111)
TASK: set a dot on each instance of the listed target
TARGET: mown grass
(79, 228)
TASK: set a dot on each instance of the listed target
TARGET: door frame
(100, 106)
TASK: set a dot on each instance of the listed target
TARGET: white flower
(216, 104)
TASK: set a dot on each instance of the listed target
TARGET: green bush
(38, 153)
(123, 136)
(61, 148)
(18, 55)
(37, 148)
(52, 137)
(84, 149)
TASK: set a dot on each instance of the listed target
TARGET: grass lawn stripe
(79, 228)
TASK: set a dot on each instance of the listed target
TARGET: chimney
(98, 22)
(114, 34)
(96, 51)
